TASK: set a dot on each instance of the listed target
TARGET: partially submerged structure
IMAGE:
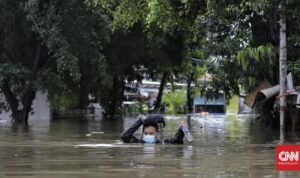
(267, 97)
(213, 105)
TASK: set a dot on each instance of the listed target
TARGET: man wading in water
(150, 131)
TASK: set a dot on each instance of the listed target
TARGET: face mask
(149, 138)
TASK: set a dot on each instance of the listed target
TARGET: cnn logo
(288, 156)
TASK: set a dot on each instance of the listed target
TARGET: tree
(136, 45)
(78, 52)
(191, 72)
(233, 34)
(45, 48)
(23, 56)
(165, 38)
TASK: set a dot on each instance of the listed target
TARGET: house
(210, 105)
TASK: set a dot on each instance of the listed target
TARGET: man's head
(150, 132)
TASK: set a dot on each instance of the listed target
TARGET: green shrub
(174, 101)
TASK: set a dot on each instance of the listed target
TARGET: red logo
(288, 157)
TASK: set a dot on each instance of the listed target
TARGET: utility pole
(282, 65)
(282, 74)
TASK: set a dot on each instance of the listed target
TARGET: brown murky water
(223, 146)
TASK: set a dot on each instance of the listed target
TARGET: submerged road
(223, 146)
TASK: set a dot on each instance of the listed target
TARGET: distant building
(216, 105)
(149, 89)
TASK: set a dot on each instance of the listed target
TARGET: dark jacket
(127, 135)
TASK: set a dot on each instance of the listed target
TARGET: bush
(174, 101)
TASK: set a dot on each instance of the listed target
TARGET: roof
(201, 100)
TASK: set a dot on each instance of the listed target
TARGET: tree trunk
(117, 97)
(19, 114)
(161, 90)
(83, 93)
(189, 93)
(112, 108)
(27, 101)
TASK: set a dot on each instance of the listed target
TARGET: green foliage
(128, 13)
(21, 56)
(46, 22)
(174, 101)
(69, 35)
(75, 45)
(233, 105)
(257, 64)
(161, 14)
(294, 67)
(93, 46)
(259, 54)
(63, 102)
(17, 74)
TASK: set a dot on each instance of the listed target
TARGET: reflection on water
(223, 146)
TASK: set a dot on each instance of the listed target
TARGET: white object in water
(3, 121)
(290, 85)
(94, 145)
(94, 133)
(101, 145)
(187, 133)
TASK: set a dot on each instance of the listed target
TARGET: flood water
(223, 146)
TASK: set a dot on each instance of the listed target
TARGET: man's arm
(127, 135)
(177, 139)
(155, 118)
